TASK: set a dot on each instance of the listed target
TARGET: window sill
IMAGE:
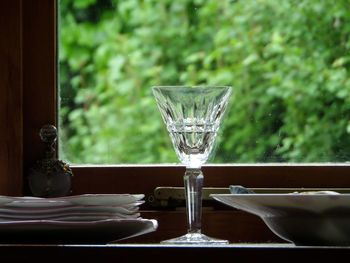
(133, 252)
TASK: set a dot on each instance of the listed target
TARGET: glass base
(195, 239)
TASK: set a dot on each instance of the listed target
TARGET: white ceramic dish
(127, 210)
(103, 199)
(304, 219)
(60, 232)
(81, 200)
(75, 216)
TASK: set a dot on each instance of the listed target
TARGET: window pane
(287, 63)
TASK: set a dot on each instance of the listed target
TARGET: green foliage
(288, 64)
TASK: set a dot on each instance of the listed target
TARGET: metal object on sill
(173, 197)
(50, 177)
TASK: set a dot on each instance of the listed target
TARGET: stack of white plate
(74, 219)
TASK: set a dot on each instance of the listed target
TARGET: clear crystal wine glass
(193, 116)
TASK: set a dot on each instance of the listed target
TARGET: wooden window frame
(29, 101)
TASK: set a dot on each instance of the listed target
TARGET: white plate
(82, 200)
(103, 199)
(304, 219)
(59, 232)
(127, 210)
(68, 216)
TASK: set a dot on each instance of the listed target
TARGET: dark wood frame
(28, 84)
(11, 118)
(28, 101)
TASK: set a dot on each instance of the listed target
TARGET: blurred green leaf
(288, 64)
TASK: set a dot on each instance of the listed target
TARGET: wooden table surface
(170, 253)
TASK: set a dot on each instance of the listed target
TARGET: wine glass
(192, 116)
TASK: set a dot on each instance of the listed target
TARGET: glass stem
(193, 180)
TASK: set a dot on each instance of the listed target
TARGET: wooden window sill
(240, 252)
